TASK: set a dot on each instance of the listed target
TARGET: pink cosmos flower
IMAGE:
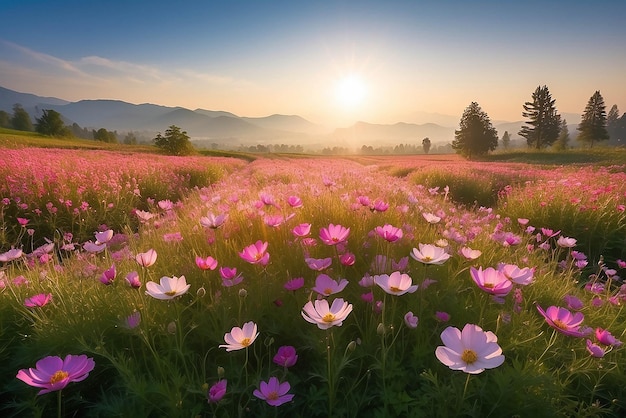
(301, 230)
(411, 320)
(104, 236)
(471, 350)
(239, 338)
(294, 201)
(143, 216)
(347, 259)
(22, 221)
(324, 316)
(379, 206)
(396, 283)
(213, 221)
(208, 263)
(573, 302)
(169, 288)
(318, 264)
(563, 321)
(594, 349)
(491, 281)
(217, 391)
(256, 253)
(389, 232)
(294, 284)
(165, 204)
(92, 247)
(522, 276)
(133, 320)
(442, 316)
(273, 392)
(132, 279)
(431, 218)
(470, 254)
(605, 337)
(53, 373)
(12, 254)
(146, 259)
(429, 254)
(108, 276)
(326, 286)
(334, 234)
(286, 356)
(566, 242)
(37, 301)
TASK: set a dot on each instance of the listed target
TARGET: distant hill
(377, 134)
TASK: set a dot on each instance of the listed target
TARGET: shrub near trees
(476, 135)
(174, 142)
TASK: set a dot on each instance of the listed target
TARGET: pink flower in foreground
(566, 242)
(169, 288)
(470, 254)
(522, 276)
(324, 316)
(53, 373)
(334, 234)
(104, 236)
(573, 302)
(491, 281)
(563, 321)
(431, 218)
(37, 301)
(326, 286)
(213, 221)
(605, 337)
(208, 263)
(429, 254)
(274, 392)
(12, 254)
(146, 259)
(294, 284)
(256, 253)
(217, 391)
(396, 283)
(389, 232)
(347, 259)
(594, 349)
(442, 316)
(411, 320)
(294, 201)
(318, 264)
(471, 350)
(239, 338)
(132, 279)
(286, 356)
(301, 230)
(108, 276)
(92, 247)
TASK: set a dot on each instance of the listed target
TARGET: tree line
(543, 128)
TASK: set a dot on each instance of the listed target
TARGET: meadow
(135, 284)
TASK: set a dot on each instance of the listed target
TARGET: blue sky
(256, 58)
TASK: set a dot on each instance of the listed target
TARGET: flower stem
(59, 405)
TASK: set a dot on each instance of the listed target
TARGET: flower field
(143, 285)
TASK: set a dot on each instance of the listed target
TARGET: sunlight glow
(351, 91)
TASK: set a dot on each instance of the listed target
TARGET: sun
(351, 91)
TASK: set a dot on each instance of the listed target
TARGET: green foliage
(426, 145)
(476, 136)
(5, 119)
(542, 130)
(593, 125)
(105, 136)
(21, 119)
(174, 142)
(51, 124)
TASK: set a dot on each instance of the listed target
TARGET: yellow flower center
(328, 291)
(272, 396)
(245, 342)
(427, 259)
(58, 376)
(469, 356)
(488, 285)
(559, 324)
(328, 317)
(170, 293)
(395, 289)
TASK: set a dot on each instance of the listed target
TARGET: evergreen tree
(21, 119)
(612, 125)
(562, 143)
(51, 124)
(612, 117)
(476, 135)
(130, 139)
(506, 140)
(176, 142)
(426, 145)
(592, 126)
(5, 119)
(544, 123)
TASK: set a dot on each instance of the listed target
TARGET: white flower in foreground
(429, 254)
(471, 350)
(318, 312)
(239, 338)
(396, 283)
(169, 288)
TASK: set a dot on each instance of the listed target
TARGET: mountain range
(225, 128)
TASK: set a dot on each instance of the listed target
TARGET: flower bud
(220, 372)
(171, 327)
(243, 293)
(380, 329)
(351, 346)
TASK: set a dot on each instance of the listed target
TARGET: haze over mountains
(225, 128)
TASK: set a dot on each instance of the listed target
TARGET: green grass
(601, 155)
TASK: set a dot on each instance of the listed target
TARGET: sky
(331, 62)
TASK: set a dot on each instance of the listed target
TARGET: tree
(426, 145)
(105, 136)
(51, 124)
(544, 121)
(476, 135)
(592, 126)
(612, 125)
(562, 142)
(175, 141)
(21, 119)
(130, 139)
(506, 140)
(5, 119)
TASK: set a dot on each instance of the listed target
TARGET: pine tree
(544, 121)
(476, 135)
(51, 124)
(506, 140)
(21, 119)
(592, 126)
(562, 143)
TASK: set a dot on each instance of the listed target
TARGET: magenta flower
(37, 301)
(334, 234)
(230, 276)
(442, 316)
(396, 283)
(491, 281)
(301, 230)
(379, 206)
(92, 247)
(594, 349)
(286, 356)
(52, 373)
(132, 279)
(324, 316)
(411, 320)
(256, 253)
(208, 263)
(104, 236)
(294, 284)
(573, 302)
(217, 391)
(318, 264)
(429, 254)
(471, 350)
(326, 286)
(347, 259)
(239, 338)
(108, 276)
(563, 321)
(146, 259)
(605, 337)
(273, 392)
(294, 201)
(133, 320)
(12, 254)
(389, 233)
